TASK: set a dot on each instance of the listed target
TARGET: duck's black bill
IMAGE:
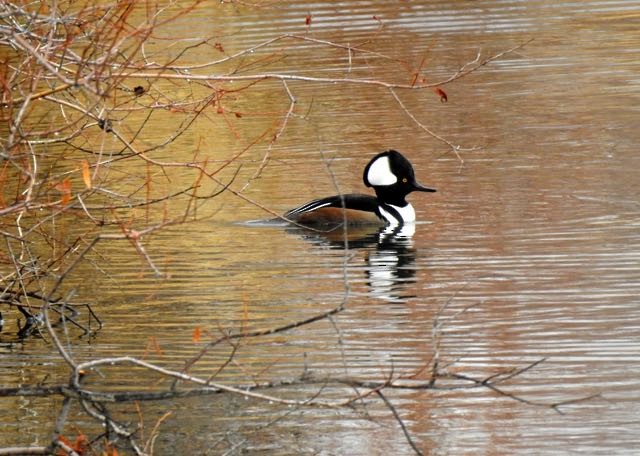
(421, 188)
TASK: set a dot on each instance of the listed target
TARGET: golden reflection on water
(532, 241)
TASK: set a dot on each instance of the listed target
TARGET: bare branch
(400, 422)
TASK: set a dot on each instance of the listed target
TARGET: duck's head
(392, 177)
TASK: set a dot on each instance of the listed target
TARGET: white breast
(407, 213)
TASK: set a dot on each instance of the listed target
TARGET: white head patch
(380, 173)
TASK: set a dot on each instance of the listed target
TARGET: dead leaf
(86, 174)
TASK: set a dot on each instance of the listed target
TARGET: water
(528, 252)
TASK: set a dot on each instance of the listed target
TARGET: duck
(392, 178)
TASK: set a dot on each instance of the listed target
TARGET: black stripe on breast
(392, 211)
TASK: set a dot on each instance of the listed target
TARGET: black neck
(388, 196)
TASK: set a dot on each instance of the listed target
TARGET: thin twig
(399, 420)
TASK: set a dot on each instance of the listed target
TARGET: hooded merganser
(391, 176)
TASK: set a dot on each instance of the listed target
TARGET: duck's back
(355, 208)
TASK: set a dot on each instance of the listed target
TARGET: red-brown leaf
(442, 94)
(64, 187)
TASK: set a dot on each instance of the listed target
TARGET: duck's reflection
(388, 252)
(391, 265)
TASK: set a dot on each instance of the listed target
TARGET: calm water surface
(530, 249)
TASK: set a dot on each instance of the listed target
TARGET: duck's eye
(405, 180)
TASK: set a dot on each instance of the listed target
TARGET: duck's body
(391, 176)
(355, 208)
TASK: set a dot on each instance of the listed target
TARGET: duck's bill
(421, 188)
